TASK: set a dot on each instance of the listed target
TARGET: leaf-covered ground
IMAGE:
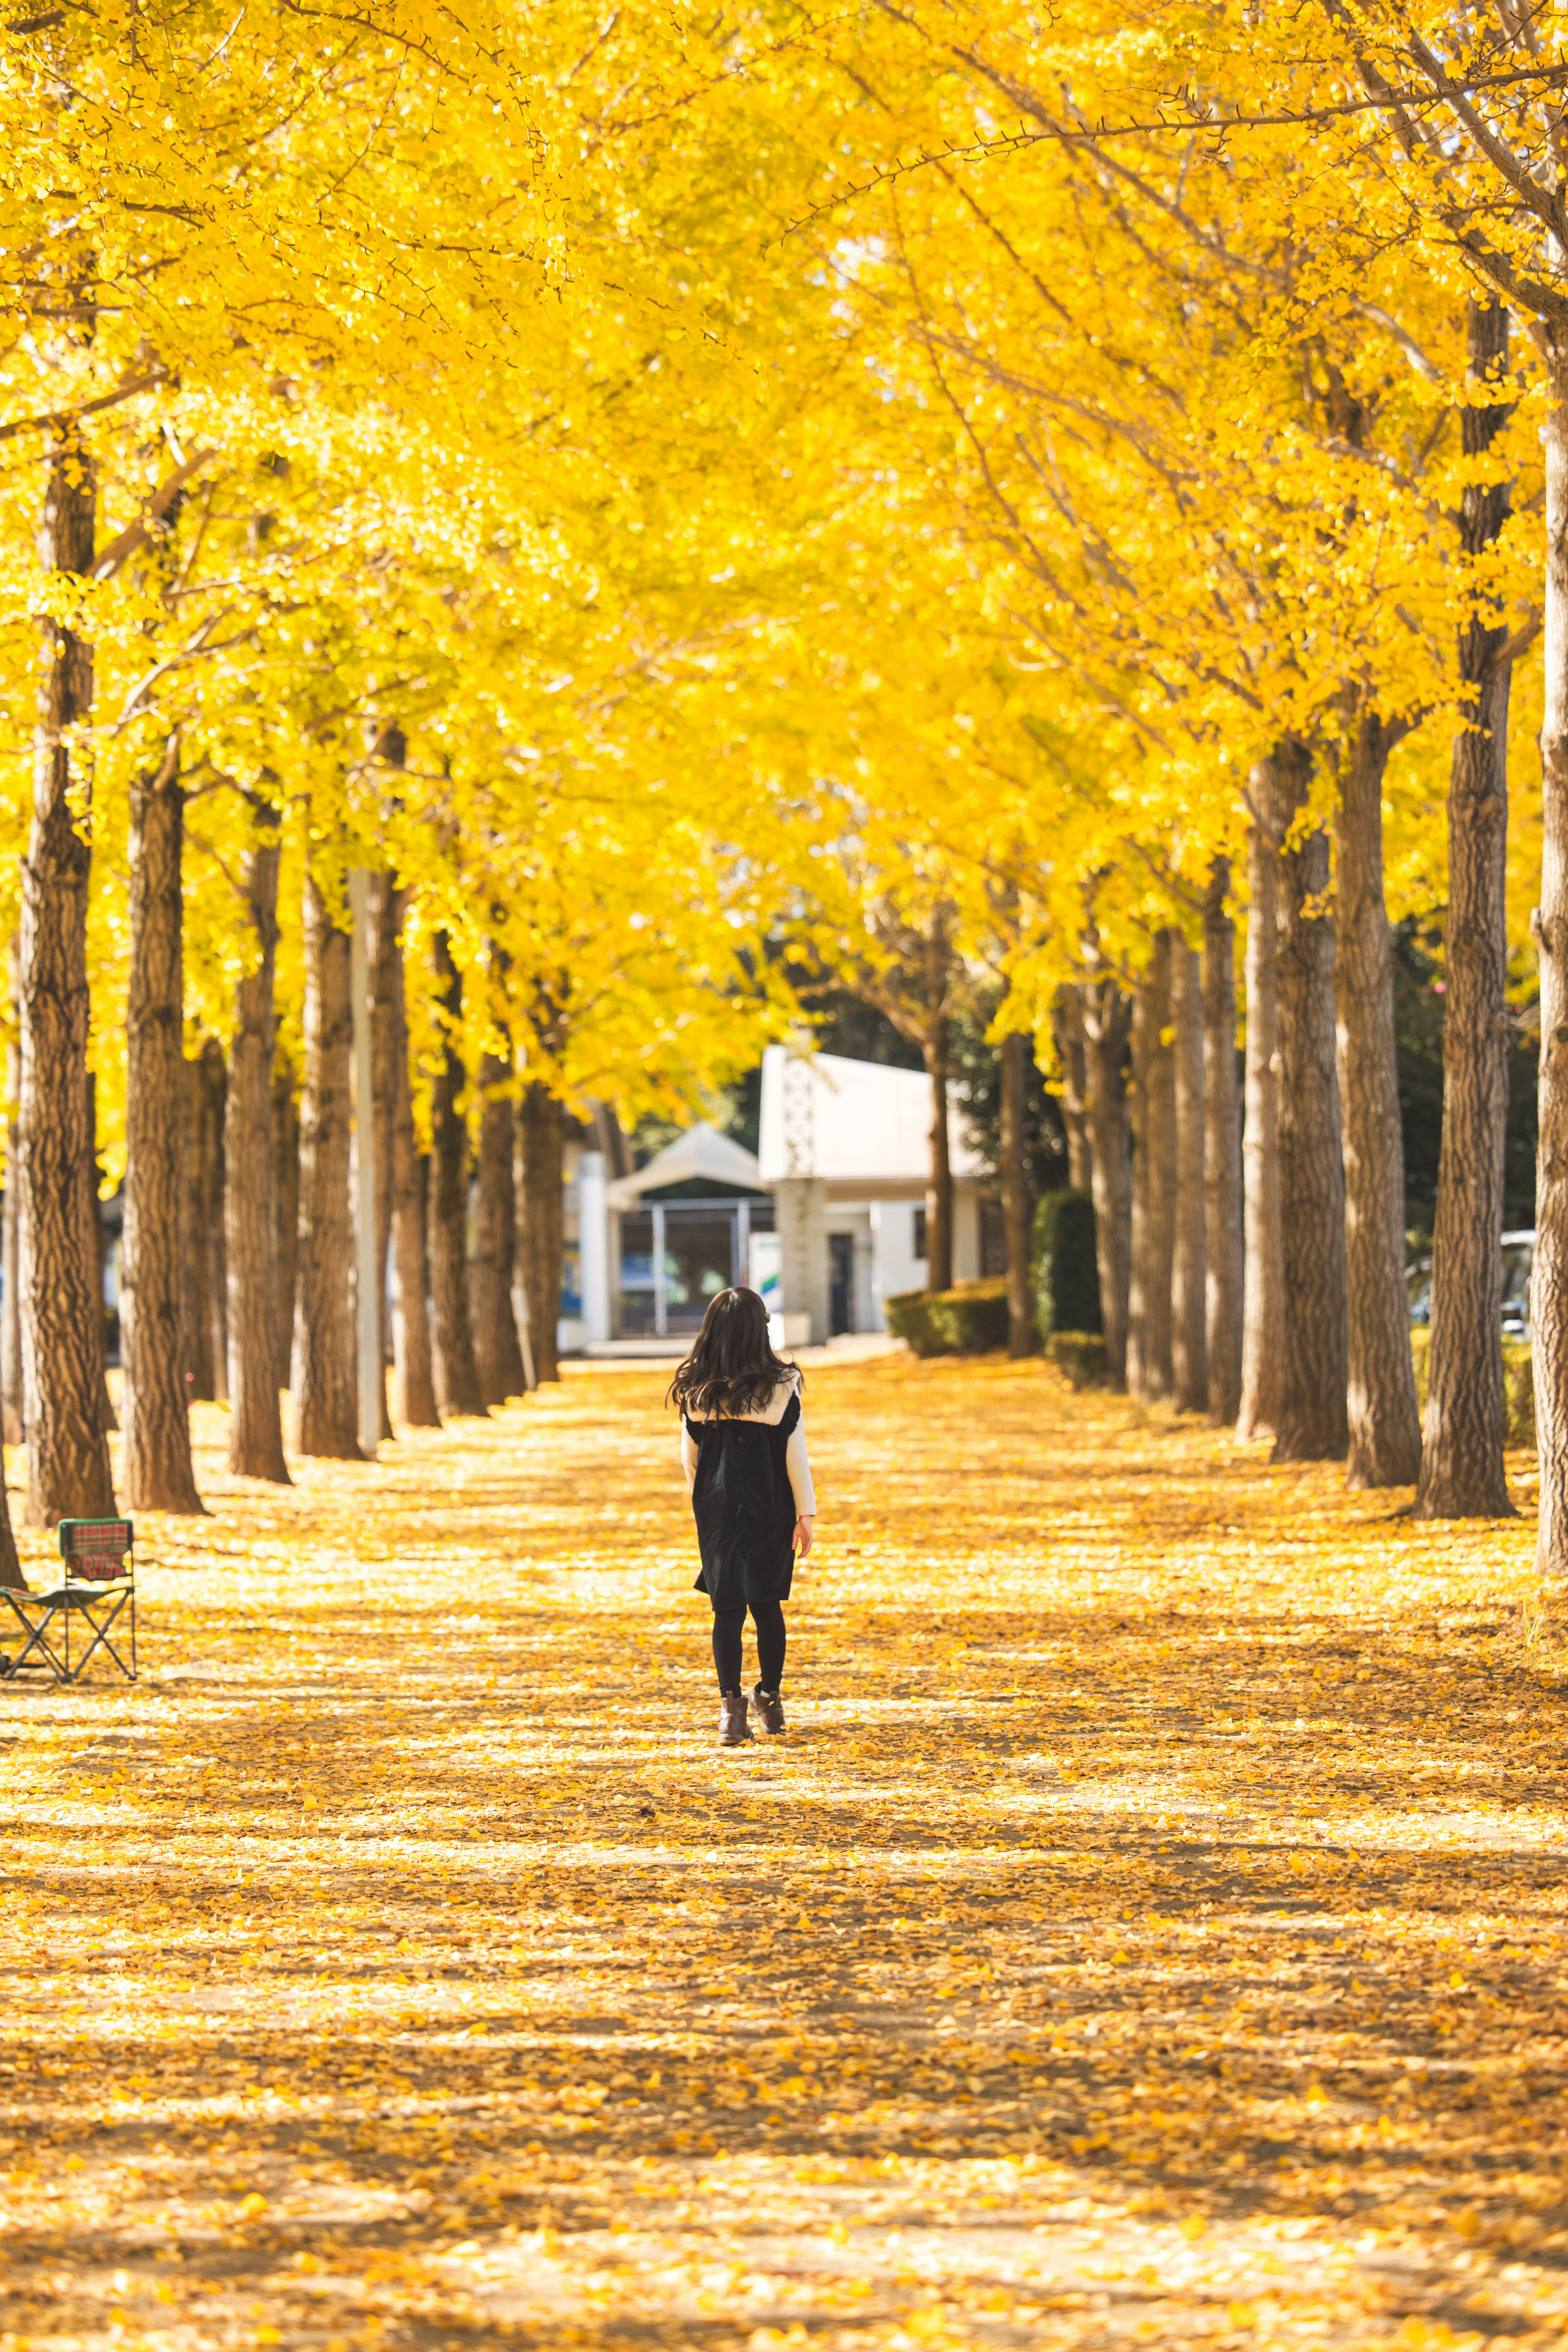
(1152, 1932)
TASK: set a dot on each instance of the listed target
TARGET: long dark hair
(732, 1368)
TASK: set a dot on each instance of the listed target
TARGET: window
(919, 1242)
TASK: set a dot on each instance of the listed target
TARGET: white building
(845, 1148)
(827, 1221)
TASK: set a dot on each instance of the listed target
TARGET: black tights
(730, 1624)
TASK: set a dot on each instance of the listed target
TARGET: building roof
(701, 1152)
(851, 1122)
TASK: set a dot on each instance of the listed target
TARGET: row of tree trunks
(1263, 1302)
(254, 1294)
(456, 1374)
(540, 1149)
(1022, 1332)
(936, 1052)
(325, 1383)
(1189, 1257)
(1149, 1375)
(158, 1472)
(1223, 1248)
(62, 1322)
(498, 1358)
(413, 1365)
(1184, 1306)
(1104, 1012)
(382, 947)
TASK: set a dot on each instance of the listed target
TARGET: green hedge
(1064, 1275)
(968, 1320)
(1518, 1383)
(1080, 1355)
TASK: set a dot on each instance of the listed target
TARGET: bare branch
(90, 408)
(135, 535)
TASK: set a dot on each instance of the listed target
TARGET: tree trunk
(62, 1323)
(1263, 1284)
(1189, 1355)
(410, 1191)
(1549, 1273)
(285, 1215)
(12, 1428)
(382, 915)
(1068, 1023)
(255, 1300)
(1023, 1335)
(196, 1256)
(497, 1353)
(540, 1172)
(1223, 1284)
(158, 1471)
(10, 1563)
(215, 1233)
(934, 1047)
(1462, 1474)
(1154, 1181)
(457, 1376)
(325, 1373)
(11, 1406)
(95, 1248)
(1384, 1417)
(1104, 1011)
(1312, 1425)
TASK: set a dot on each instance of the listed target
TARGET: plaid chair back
(97, 1551)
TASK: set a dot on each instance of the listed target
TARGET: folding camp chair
(99, 1586)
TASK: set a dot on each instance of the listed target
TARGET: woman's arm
(688, 1454)
(798, 1465)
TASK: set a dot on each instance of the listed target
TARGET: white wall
(823, 1115)
(895, 1265)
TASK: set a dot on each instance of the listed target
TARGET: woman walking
(743, 1449)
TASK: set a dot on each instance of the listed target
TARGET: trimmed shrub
(970, 1320)
(1079, 1356)
(1064, 1273)
(1518, 1383)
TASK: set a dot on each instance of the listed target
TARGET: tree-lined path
(1152, 1931)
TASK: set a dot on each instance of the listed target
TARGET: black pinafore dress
(745, 1508)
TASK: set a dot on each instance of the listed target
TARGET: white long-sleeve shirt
(795, 1457)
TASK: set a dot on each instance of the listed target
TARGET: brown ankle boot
(732, 1725)
(770, 1711)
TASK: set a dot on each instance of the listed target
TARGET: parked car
(1518, 1257)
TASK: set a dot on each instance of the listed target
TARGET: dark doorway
(840, 1281)
(699, 1262)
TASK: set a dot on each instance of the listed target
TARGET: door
(840, 1281)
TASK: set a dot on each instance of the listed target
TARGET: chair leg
(100, 1634)
(37, 1638)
